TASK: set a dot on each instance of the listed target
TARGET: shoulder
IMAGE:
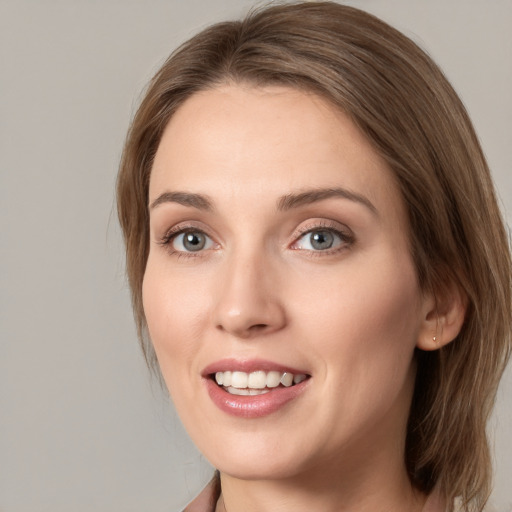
(206, 500)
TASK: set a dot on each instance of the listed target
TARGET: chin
(263, 469)
(257, 457)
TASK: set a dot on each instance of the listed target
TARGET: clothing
(207, 499)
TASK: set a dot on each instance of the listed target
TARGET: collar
(207, 499)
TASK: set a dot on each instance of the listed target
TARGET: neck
(367, 488)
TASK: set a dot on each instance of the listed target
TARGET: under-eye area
(256, 383)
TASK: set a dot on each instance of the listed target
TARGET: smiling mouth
(256, 383)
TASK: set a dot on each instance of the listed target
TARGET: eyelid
(172, 233)
(187, 225)
(342, 231)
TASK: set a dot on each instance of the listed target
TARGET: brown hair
(407, 109)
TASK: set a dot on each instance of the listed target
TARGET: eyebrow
(291, 201)
(284, 203)
(198, 201)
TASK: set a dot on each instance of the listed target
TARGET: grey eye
(321, 240)
(191, 241)
(194, 241)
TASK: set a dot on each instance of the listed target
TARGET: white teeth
(239, 380)
(226, 379)
(246, 391)
(257, 380)
(252, 383)
(287, 379)
(297, 379)
(273, 379)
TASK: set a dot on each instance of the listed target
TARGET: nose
(249, 303)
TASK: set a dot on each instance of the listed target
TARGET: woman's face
(279, 246)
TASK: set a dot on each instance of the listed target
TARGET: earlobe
(443, 318)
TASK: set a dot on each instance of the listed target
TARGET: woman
(315, 250)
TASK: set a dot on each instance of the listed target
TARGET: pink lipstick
(253, 388)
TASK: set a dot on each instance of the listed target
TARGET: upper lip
(248, 366)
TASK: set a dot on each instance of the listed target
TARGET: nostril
(258, 327)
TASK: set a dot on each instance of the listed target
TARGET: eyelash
(346, 239)
(173, 233)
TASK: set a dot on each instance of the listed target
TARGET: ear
(443, 317)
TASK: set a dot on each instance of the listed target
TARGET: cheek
(173, 314)
(364, 322)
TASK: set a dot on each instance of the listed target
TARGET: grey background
(82, 427)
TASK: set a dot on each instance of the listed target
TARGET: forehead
(244, 141)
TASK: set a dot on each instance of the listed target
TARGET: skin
(350, 316)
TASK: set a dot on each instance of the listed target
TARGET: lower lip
(253, 406)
